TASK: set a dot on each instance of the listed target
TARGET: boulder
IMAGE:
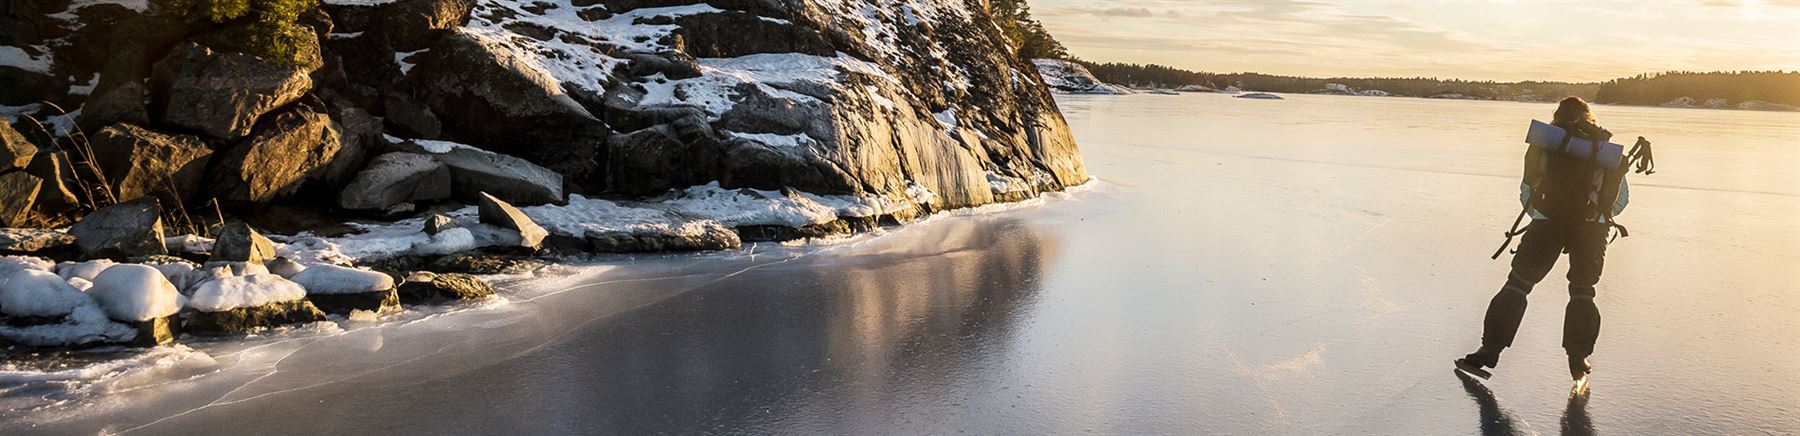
(410, 24)
(499, 213)
(122, 103)
(57, 196)
(33, 240)
(427, 287)
(288, 147)
(155, 331)
(474, 170)
(396, 178)
(18, 191)
(15, 151)
(485, 94)
(222, 94)
(244, 320)
(237, 242)
(438, 222)
(138, 162)
(361, 134)
(342, 304)
(486, 263)
(127, 229)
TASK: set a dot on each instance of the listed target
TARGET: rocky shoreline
(391, 152)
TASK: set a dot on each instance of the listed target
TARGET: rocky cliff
(914, 103)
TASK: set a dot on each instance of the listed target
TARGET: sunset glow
(1499, 40)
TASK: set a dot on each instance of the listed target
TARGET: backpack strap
(1514, 232)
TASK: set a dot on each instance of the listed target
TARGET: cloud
(1119, 11)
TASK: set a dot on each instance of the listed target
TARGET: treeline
(1159, 76)
(1026, 33)
(1735, 87)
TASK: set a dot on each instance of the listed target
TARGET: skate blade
(1580, 388)
(1472, 369)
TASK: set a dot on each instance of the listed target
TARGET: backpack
(1571, 187)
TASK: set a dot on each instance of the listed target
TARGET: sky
(1563, 40)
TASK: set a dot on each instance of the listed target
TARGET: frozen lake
(1301, 266)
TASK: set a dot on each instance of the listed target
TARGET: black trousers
(1538, 250)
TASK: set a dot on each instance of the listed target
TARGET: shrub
(263, 28)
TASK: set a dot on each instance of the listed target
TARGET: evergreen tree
(1025, 33)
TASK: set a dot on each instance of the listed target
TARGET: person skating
(1572, 202)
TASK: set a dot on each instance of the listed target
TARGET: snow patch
(797, 140)
(401, 56)
(17, 58)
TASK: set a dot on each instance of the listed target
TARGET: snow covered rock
(18, 191)
(33, 240)
(237, 242)
(284, 267)
(34, 293)
(135, 293)
(86, 270)
(288, 148)
(1069, 77)
(127, 229)
(138, 161)
(333, 279)
(474, 171)
(84, 324)
(448, 241)
(337, 289)
(437, 222)
(188, 244)
(238, 305)
(245, 291)
(222, 94)
(396, 178)
(12, 264)
(429, 287)
(499, 213)
(180, 272)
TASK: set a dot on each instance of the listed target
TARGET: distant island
(1750, 90)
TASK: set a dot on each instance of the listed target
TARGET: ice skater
(1572, 196)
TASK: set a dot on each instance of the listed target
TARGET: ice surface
(32, 292)
(333, 279)
(1309, 267)
(245, 291)
(131, 292)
